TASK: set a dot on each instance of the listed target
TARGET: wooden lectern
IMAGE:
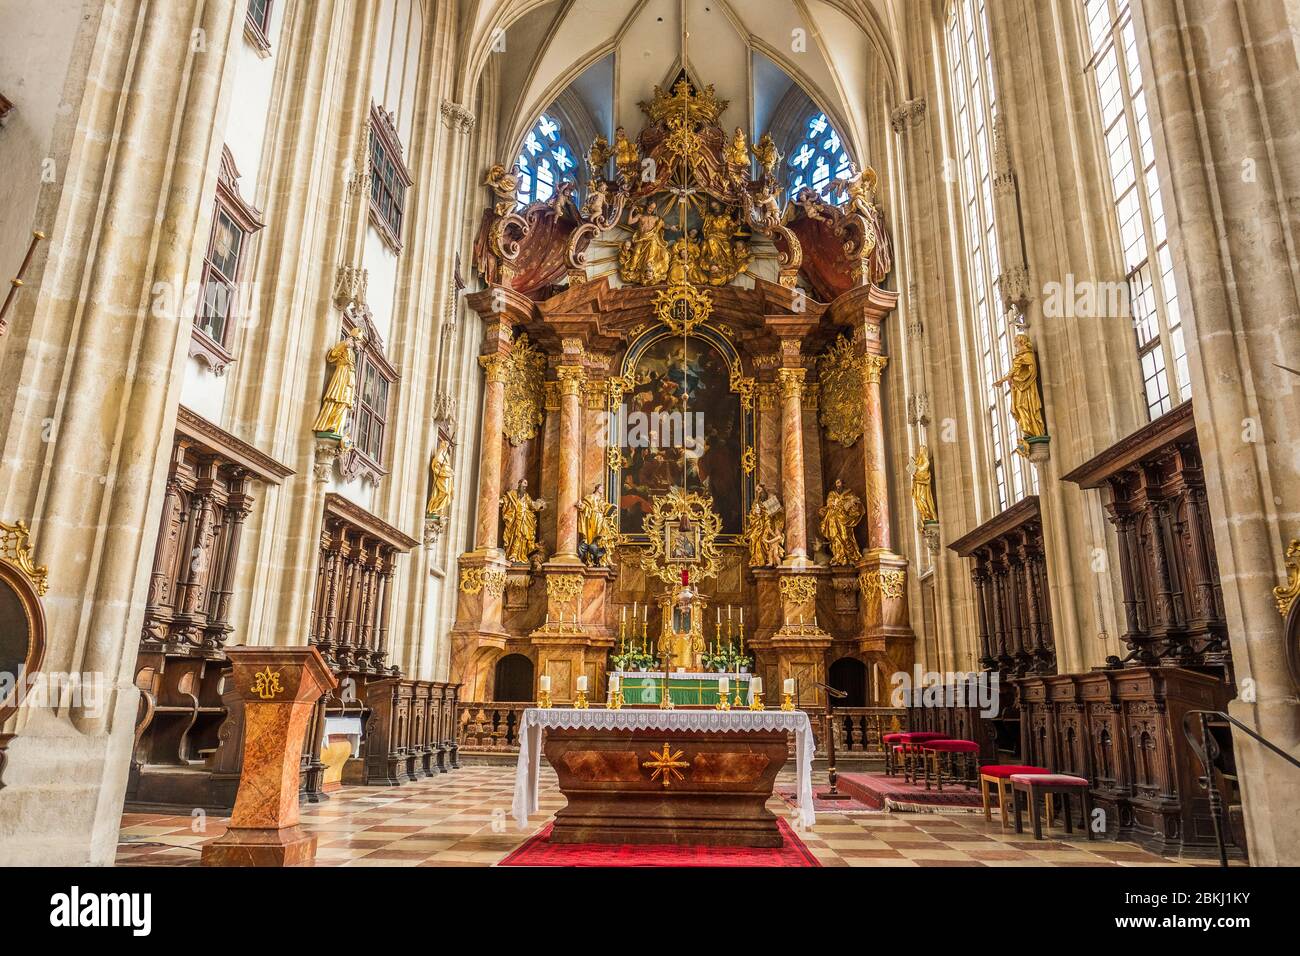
(280, 687)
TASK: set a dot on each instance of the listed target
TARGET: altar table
(664, 776)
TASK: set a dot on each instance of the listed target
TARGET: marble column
(1222, 86)
(566, 505)
(792, 484)
(487, 530)
(874, 454)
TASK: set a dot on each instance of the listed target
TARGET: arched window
(975, 109)
(819, 159)
(545, 161)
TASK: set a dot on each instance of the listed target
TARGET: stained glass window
(819, 159)
(545, 160)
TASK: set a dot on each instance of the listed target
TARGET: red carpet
(893, 793)
(853, 806)
(539, 851)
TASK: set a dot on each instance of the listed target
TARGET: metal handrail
(1206, 753)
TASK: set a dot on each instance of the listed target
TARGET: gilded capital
(497, 367)
(872, 366)
(791, 381)
(571, 378)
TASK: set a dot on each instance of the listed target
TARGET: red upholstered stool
(999, 774)
(908, 751)
(1032, 785)
(950, 750)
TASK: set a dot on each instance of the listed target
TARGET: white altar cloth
(536, 719)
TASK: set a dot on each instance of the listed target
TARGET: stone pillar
(792, 484)
(1221, 88)
(566, 505)
(93, 354)
(874, 455)
(488, 529)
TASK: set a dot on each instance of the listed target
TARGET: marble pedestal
(280, 687)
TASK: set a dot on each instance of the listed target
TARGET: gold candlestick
(544, 699)
(580, 703)
(787, 702)
(757, 702)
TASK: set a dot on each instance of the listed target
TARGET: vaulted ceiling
(841, 53)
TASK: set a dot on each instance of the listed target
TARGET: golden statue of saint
(1026, 405)
(626, 156)
(685, 264)
(644, 258)
(736, 155)
(596, 528)
(598, 156)
(923, 486)
(721, 260)
(840, 515)
(341, 392)
(765, 530)
(441, 488)
(519, 515)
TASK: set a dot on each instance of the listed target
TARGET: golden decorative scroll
(748, 460)
(563, 587)
(474, 580)
(1287, 593)
(267, 684)
(524, 376)
(798, 588)
(682, 307)
(702, 107)
(668, 509)
(887, 583)
(15, 549)
(842, 381)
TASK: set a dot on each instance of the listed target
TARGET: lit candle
(722, 687)
(789, 686)
(544, 682)
(582, 684)
(614, 680)
(757, 685)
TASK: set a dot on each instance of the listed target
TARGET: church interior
(650, 433)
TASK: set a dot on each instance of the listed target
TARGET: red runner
(537, 850)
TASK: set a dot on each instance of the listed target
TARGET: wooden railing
(492, 727)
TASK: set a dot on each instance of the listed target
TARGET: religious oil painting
(681, 414)
(682, 547)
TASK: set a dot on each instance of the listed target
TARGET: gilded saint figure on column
(764, 535)
(519, 517)
(1026, 404)
(923, 486)
(441, 484)
(840, 515)
(596, 528)
(341, 392)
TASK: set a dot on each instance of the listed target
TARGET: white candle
(789, 686)
(613, 683)
(722, 686)
(545, 683)
(582, 684)
(756, 685)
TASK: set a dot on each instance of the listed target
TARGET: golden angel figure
(441, 487)
(519, 516)
(504, 183)
(598, 156)
(1026, 405)
(736, 155)
(341, 393)
(840, 515)
(596, 528)
(923, 486)
(644, 258)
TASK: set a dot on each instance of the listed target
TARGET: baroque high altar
(682, 342)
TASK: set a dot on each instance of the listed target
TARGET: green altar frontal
(684, 690)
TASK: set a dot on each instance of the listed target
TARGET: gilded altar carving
(563, 588)
(673, 549)
(15, 549)
(798, 588)
(682, 308)
(840, 515)
(841, 371)
(880, 583)
(764, 535)
(644, 258)
(476, 580)
(1285, 594)
(524, 372)
(519, 520)
(597, 528)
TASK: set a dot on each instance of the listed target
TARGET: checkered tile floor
(462, 819)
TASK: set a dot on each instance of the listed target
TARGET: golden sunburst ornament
(682, 307)
(665, 765)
